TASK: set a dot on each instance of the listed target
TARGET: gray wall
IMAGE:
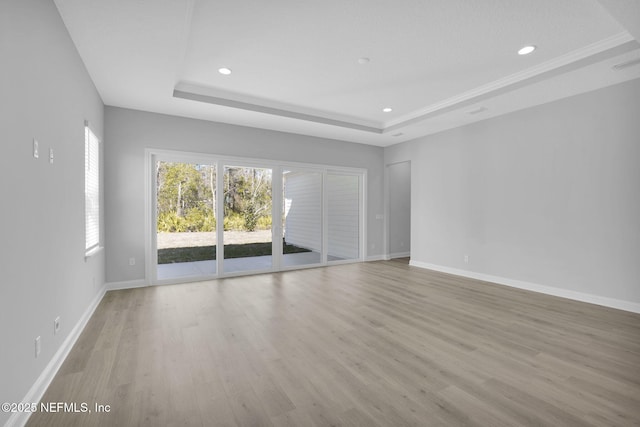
(129, 132)
(399, 179)
(548, 195)
(46, 93)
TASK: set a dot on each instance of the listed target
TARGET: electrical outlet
(35, 148)
(38, 346)
(56, 325)
(466, 259)
(132, 261)
(51, 155)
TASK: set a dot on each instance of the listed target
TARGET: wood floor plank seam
(371, 344)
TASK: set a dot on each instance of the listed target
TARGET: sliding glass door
(185, 222)
(301, 217)
(343, 216)
(247, 219)
(213, 216)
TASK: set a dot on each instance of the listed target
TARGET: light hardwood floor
(369, 344)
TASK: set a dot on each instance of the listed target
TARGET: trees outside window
(187, 197)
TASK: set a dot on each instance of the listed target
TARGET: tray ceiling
(329, 68)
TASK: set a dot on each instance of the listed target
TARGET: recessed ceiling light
(225, 71)
(526, 50)
(387, 109)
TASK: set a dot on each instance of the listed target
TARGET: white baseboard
(549, 290)
(129, 284)
(388, 257)
(37, 390)
(399, 255)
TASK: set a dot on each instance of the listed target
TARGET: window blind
(91, 189)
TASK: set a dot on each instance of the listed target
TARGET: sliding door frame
(153, 155)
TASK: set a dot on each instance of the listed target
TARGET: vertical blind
(91, 189)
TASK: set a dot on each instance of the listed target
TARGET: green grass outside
(206, 253)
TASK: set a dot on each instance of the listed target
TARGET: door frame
(151, 255)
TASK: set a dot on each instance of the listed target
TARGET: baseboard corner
(535, 287)
(43, 381)
(128, 284)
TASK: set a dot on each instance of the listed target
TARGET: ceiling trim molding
(509, 81)
(478, 95)
(226, 102)
(599, 51)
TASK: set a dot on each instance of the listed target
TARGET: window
(91, 190)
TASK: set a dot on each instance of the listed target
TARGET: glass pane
(186, 226)
(301, 218)
(343, 199)
(247, 219)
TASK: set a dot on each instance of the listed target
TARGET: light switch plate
(51, 155)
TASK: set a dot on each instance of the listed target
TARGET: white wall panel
(343, 215)
(303, 209)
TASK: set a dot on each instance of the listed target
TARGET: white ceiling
(439, 63)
